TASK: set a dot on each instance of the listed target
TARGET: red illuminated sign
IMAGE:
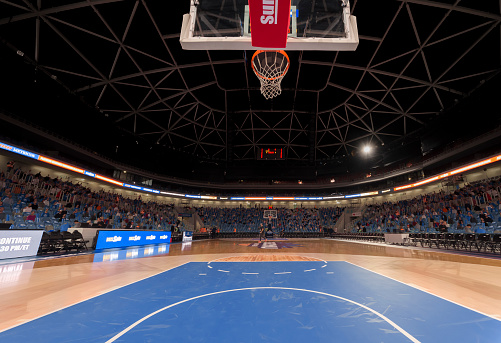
(271, 154)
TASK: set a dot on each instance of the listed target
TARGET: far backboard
(225, 25)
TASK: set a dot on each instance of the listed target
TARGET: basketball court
(240, 290)
(243, 290)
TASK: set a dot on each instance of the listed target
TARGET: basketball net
(270, 66)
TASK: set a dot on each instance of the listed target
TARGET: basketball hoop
(270, 214)
(270, 66)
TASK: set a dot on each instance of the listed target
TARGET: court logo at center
(272, 245)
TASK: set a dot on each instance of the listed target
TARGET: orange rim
(270, 78)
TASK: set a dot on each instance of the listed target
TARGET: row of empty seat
(471, 242)
(65, 241)
(459, 241)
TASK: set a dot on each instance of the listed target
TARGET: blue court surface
(262, 302)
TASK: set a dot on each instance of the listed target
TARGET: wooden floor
(32, 289)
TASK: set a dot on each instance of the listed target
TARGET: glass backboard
(225, 25)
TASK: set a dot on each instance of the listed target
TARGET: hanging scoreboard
(271, 154)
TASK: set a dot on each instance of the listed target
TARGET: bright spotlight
(367, 149)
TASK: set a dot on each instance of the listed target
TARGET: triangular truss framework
(152, 88)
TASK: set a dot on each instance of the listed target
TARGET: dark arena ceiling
(424, 73)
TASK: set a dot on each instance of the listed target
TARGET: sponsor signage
(118, 239)
(208, 197)
(269, 22)
(18, 151)
(272, 245)
(185, 215)
(133, 187)
(19, 243)
(187, 236)
(131, 253)
(151, 190)
(13, 149)
(334, 197)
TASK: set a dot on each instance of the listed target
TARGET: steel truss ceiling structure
(415, 59)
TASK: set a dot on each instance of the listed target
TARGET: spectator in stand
(32, 216)
(10, 166)
(450, 220)
(29, 197)
(468, 228)
(442, 226)
(486, 218)
(444, 215)
(472, 219)
(100, 223)
(8, 201)
(3, 216)
(431, 222)
(27, 209)
(34, 205)
(59, 215)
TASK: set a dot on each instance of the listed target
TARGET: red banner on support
(269, 23)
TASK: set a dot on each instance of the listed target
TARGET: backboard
(270, 214)
(225, 25)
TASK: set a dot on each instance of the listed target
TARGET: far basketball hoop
(270, 214)
(270, 66)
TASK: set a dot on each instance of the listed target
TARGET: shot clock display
(271, 154)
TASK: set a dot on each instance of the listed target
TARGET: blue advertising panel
(19, 243)
(18, 151)
(131, 253)
(127, 238)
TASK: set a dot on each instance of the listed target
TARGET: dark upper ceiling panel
(415, 60)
